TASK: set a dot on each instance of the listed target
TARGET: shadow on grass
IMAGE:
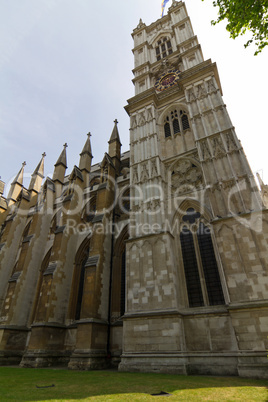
(50, 384)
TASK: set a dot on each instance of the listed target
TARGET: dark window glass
(176, 126)
(210, 268)
(165, 48)
(167, 130)
(193, 284)
(185, 121)
(123, 284)
(81, 288)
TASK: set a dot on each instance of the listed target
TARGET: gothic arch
(118, 290)
(185, 175)
(201, 266)
(23, 244)
(196, 205)
(44, 265)
(154, 40)
(175, 133)
(163, 45)
(55, 221)
(89, 209)
(17, 270)
(76, 295)
(178, 105)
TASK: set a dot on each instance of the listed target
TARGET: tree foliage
(243, 16)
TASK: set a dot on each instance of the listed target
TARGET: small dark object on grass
(46, 386)
(162, 393)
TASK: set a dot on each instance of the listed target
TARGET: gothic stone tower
(155, 258)
(197, 256)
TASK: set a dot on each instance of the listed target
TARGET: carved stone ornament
(135, 177)
(210, 86)
(231, 145)
(142, 118)
(200, 91)
(205, 150)
(191, 95)
(228, 184)
(186, 176)
(149, 114)
(154, 171)
(144, 173)
(140, 24)
(133, 122)
(218, 147)
(164, 67)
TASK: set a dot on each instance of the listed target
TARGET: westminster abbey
(152, 260)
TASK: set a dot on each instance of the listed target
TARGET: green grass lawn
(19, 384)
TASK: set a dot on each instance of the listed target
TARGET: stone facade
(155, 259)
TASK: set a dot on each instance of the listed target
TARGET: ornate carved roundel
(167, 80)
(186, 177)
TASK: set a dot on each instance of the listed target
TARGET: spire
(87, 146)
(17, 184)
(19, 178)
(62, 160)
(38, 175)
(115, 147)
(40, 167)
(61, 165)
(115, 133)
(86, 155)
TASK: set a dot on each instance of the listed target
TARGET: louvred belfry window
(200, 264)
(175, 122)
(163, 48)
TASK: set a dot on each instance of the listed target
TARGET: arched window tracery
(118, 295)
(163, 48)
(77, 289)
(200, 264)
(175, 122)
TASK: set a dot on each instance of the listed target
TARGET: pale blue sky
(65, 69)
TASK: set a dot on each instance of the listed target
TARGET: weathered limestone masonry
(155, 259)
(57, 301)
(183, 315)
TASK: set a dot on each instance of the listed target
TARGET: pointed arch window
(78, 281)
(163, 48)
(200, 265)
(90, 209)
(175, 123)
(81, 286)
(118, 289)
(42, 292)
(123, 283)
